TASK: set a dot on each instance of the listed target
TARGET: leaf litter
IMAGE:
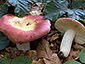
(47, 49)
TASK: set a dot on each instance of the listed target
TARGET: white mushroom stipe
(24, 47)
(74, 31)
(67, 42)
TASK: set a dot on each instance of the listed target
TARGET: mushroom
(72, 30)
(23, 30)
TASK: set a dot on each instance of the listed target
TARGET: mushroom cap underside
(64, 24)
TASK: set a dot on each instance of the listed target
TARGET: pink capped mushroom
(23, 30)
(72, 30)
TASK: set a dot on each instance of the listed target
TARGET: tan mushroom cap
(64, 24)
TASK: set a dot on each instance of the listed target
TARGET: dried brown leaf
(78, 47)
(12, 52)
(55, 36)
(37, 8)
(46, 61)
(49, 38)
(40, 61)
(43, 49)
(74, 55)
(32, 54)
(35, 62)
(54, 60)
(52, 32)
(58, 42)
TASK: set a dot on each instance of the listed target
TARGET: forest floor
(45, 50)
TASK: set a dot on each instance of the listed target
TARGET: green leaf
(80, 13)
(72, 62)
(82, 55)
(41, 1)
(3, 41)
(3, 9)
(22, 60)
(77, 14)
(78, 3)
(55, 9)
(21, 7)
(6, 60)
(83, 21)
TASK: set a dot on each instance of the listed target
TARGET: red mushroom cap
(22, 30)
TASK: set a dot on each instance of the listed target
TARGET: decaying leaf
(53, 36)
(78, 47)
(32, 54)
(54, 47)
(12, 52)
(34, 62)
(43, 49)
(40, 61)
(74, 55)
(36, 9)
(58, 42)
(54, 60)
(46, 61)
(45, 53)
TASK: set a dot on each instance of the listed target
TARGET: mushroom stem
(67, 42)
(24, 47)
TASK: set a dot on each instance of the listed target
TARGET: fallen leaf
(40, 61)
(55, 36)
(74, 55)
(52, 32)
(36, 9)
(32, 54)
(49, 38)
(46, 61)
(54, 60)
(78, 46)
(45, 53)
(34, 62)
(54, 47)
(58, 42)
(12, 52)
(43, 49)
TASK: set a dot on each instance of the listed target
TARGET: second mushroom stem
(24, 47)
(67, 42)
